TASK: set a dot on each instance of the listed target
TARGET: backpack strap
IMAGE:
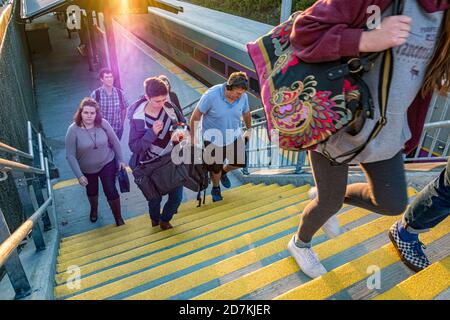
(121, 98)
(97, 95)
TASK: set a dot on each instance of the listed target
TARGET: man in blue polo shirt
(220, 111)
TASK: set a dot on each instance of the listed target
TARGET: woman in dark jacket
(151, 137)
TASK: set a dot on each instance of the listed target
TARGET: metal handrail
(8, 246)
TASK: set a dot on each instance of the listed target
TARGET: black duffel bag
(160, 176)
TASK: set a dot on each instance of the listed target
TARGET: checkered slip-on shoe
(411, 253)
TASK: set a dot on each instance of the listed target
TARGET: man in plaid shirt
(112, 101)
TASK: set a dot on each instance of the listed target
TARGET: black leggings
(108, 177)
(385, 193)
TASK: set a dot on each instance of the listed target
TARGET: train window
(177, 43)
(201, 56)
(217, 65)
(188, 49)
(231, 70)
(254, 85)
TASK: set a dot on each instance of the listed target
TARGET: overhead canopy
(32, 9)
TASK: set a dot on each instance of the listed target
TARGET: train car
(207, 56)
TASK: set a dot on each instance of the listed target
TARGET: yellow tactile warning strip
(215, 270)
(235, 263)
(163, 61)
(72, 182)
(137, 239)
(140, 222)
(425, 285)
(178, 250)
(285, 267)
(356, 270)
(185, 209)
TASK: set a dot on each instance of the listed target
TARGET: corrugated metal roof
(32, 9)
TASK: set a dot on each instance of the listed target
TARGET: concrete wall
(17, 103)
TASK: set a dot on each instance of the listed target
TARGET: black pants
(385, 193)
(108, 177)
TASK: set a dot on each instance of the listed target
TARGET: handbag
(124, 182)
(307, 103)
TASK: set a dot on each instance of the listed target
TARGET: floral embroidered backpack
(309, 102)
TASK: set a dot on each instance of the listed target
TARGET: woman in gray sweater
(92, 148)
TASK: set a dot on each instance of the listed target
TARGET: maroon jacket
(331, 29)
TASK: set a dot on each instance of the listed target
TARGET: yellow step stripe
(235, 263)
(425, 285)
(355, 271)
(131, 229)
(285, 267)
(183, 248)
(186, 208)
(210, 253)
(146, 236)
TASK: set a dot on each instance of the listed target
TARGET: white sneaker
(307, 259)
(331, 227)
(312, 193)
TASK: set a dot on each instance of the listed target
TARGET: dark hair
(155, 87)
(88, 102)
(237, 80)
(166, 80)
(104, 71)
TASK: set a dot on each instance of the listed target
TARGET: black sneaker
(216, 195)
(411, 252)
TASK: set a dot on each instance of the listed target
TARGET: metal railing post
(286, 9)
(27, 205)
(245, 169)
(300, 162)
(13, 265)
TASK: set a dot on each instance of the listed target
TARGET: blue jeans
(431, 206)
(170, 208)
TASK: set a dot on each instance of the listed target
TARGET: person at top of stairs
(92, 149)
(430, 207)
(330, 30)
(151, 138)
(220, 109)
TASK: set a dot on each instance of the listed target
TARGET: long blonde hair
(437, 76)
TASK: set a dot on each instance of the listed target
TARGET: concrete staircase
(236, 249)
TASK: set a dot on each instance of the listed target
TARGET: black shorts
(214, 156)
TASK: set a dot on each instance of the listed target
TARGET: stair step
(222, 268)
(185, 208)
(425, 285)
(235, 225)
(356, 270)
(145, 229)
